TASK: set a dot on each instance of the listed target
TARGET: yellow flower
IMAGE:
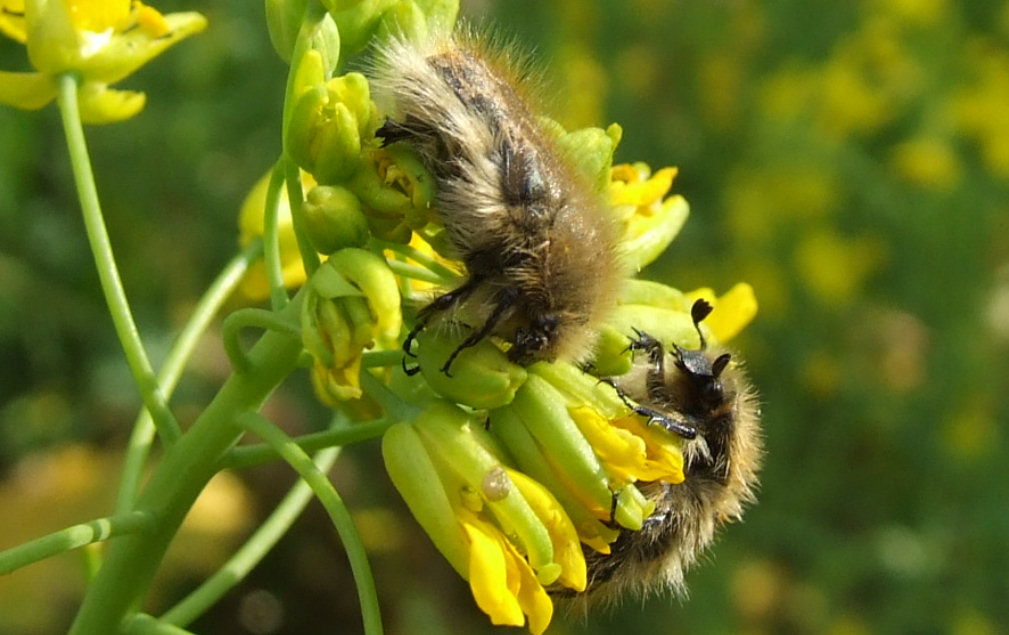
(503, 584)
(927, 161)
(651, 221)
(504, 532)
(103, 41)
(630, 449)
(733, 310)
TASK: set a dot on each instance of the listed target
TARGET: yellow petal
(29, 91)
(488, 578)
(622, 453)
(534, 600)
(12, 19)
(733, 310)
(104, 41)
(663, 451)
(100, 104)
(567, 549)
(503, 584)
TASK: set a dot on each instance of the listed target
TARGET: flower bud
(449, 432)
(357, 20)
(326, 125)
(333, 219)
(415, 476)
(403, 19)
(353, 304)
(482, 376)
(591, 152)
(396, 190)
(543, 411)
(283, 21)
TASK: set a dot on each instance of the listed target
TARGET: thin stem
(180, 476)
(336, 509)
(271, 239)
(250, 318)
(204, 312)
(122, 318)
(250, 455)
(143, 624)
(252, 552)
(406, 270)
(296, 197)
(394, 408)
(381, 359)
(72, 538)
(426, 260)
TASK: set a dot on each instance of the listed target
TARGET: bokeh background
(850, 160)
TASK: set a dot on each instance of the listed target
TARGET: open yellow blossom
(103, 41)
(503, 584)
(503, 531)
(652, 222)
(630, 449)
(733, 310)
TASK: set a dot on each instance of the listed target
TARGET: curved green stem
(205, 310)
(245, 318)
(271, 239)
(179, 478)
(122, 318)
(336, 509)
(249, 455)
(252, 552)
(72, 538)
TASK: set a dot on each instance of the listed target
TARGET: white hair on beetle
(704, 397)
(538, 241)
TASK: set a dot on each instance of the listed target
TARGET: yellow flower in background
(103, 41)
(927, 161)
(255, 286)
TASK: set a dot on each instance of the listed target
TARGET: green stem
(136, 357)
(205, 310)
(336, 509)
(250, 455)
(296, 197)
(143, 624)
(250, 318)
(73, 538)
(381, 359)
(414, 272)
(179, 478)
(426, 260)
(252, 552)
(271, 239)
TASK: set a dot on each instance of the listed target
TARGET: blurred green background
(850, 160)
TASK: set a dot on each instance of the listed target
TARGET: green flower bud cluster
(353, 304)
